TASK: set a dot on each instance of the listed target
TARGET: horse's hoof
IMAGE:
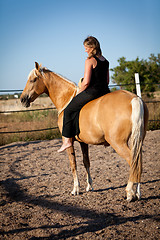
(138, 196)
(74, 193)
(129, 199)
(132, 197)
(89, 189)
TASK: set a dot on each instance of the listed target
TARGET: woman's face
(88, 49)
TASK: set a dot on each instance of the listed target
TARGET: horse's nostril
(25, 101)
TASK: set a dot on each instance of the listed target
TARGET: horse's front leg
(72, 159)
(86, 163)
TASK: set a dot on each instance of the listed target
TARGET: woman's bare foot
(66, 144)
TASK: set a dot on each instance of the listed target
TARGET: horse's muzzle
(25, 101)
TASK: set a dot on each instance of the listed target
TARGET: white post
(138, 87)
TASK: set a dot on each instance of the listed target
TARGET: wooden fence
(153, 106)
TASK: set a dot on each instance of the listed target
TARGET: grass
(28, 121)
(154, 115)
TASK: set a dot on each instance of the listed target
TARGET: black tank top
(98, 83)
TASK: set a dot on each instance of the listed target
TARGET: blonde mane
(33, 71)
(66, 79)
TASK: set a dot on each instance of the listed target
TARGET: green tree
(149, 73)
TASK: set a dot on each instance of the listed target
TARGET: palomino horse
(118, 119)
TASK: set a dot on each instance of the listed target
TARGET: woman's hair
(92, 42)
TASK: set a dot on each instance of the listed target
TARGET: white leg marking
(75, 188)
(89, 181)
(130, 192)
(138, 191)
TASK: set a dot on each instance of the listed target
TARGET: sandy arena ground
(36, 200)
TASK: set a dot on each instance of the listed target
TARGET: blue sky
(51, 32)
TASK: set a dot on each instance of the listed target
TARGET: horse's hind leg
(72, 159)
(86, 163)
(121, 147)
(130, 193)
(138, 191)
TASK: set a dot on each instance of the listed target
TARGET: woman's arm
(87, 74)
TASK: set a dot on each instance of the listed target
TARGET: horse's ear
(37, 66)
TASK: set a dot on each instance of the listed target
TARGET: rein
(74, 94)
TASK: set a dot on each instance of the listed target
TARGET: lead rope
(74, 94)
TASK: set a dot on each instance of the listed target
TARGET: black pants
(71, 112)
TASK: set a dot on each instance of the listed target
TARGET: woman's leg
(67, 142)
(71, 114)
(71, 117)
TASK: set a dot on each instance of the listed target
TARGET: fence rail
(30, 110)
(110, 86)
(51, 108)
(28, 131)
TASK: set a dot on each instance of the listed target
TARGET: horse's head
(35, 86)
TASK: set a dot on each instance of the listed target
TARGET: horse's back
(106, 116)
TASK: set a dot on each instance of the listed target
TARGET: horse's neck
(61, 91)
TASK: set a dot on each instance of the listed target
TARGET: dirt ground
(36, 200)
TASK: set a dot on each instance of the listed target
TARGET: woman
(94, 85)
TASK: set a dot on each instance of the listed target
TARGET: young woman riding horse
(94, 85)
(118, 119)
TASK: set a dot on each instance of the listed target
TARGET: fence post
(138, 87)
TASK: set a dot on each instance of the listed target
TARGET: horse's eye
(33, 80)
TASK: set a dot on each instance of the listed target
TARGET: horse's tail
(137, 139)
